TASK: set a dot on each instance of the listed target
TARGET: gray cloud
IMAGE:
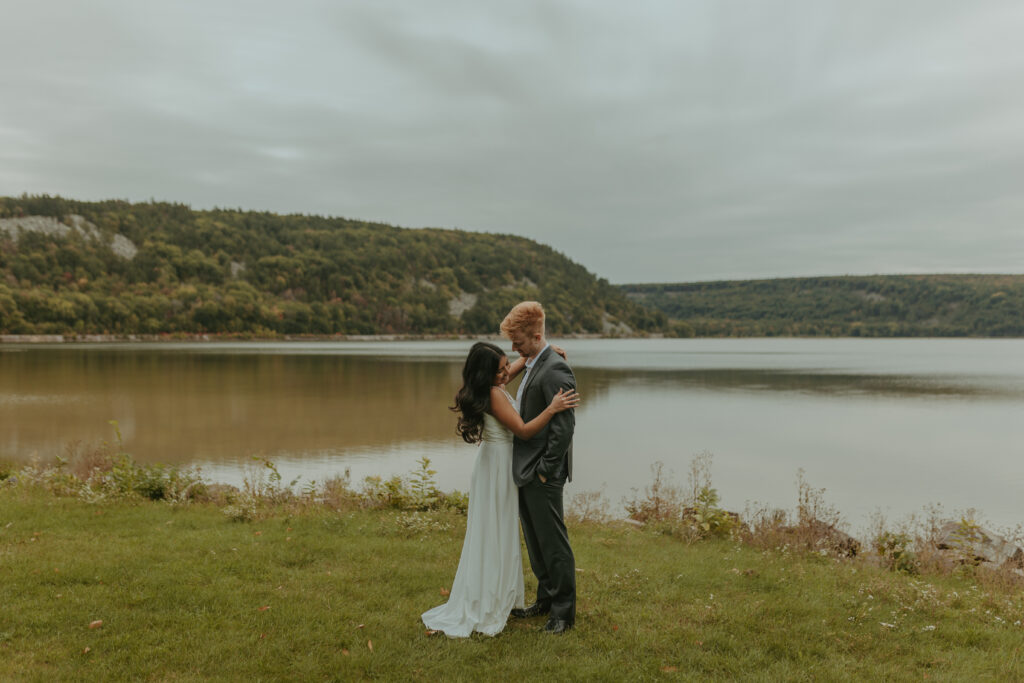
(659, 142)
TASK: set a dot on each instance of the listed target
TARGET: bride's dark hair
(474, 397)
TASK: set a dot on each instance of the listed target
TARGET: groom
(540, 468)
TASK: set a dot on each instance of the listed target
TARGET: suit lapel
(534, 371)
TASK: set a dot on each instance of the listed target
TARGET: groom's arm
(562, 425)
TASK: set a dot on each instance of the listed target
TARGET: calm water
(880, 424)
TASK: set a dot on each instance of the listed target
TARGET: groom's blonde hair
(527, 317)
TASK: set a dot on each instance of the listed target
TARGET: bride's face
(501, 378)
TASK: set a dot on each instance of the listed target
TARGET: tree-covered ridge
(245, 272)
(871, 306)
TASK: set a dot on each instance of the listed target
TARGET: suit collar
(547, 347)
(537, 365)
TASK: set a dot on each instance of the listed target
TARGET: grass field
(184, 593)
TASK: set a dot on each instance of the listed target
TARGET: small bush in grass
(588, 507)
(456, 501)
(691, 516)
(241, 510)
(418, 491)
(418, 523)
(662, 501)
(707, 518)
(894, 549)
(6, 470)
(337, 494)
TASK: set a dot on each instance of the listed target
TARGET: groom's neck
(542, 345)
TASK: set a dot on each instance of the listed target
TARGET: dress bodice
(494, 431)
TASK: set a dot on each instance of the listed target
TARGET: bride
(489, 580)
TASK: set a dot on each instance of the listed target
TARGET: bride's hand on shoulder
(564, 400)
(560, 351)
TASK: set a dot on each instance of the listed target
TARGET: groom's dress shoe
(534, 610)
(557, 626)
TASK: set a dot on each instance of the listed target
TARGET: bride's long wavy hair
(474, 397)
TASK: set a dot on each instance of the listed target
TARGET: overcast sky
(649, 141)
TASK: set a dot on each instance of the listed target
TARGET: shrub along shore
(113, 570)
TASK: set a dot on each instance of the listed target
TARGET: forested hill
(115, 267)
(874, 306)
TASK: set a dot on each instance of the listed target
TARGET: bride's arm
(501, 408)
(515, 367)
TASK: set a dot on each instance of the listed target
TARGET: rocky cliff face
(119, 244)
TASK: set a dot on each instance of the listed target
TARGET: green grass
(180, 592)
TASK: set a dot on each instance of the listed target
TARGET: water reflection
(185, 407)
(873, 421)
(210, 403)
(821, 382)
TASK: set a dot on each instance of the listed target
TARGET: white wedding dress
(489, 580)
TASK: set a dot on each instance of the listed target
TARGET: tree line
(869, 306)
(229, 271)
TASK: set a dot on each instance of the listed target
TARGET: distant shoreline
(202, 338)
(31, 339)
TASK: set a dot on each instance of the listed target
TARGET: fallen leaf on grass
(669, 669)
(262, 636)
(445, 592)
(615, 627)
(431, 632)
(344, 651)
(361, 625)
(264, 608)
(86, 650)
(96, 624)
(369, 645)
(257, 533)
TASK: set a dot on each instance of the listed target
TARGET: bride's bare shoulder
(500, 398)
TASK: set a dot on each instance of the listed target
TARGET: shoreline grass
(266, 584)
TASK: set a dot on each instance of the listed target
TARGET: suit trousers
(547, 542)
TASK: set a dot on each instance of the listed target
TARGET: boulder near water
(975, 544)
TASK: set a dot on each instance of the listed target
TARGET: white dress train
(489, 580)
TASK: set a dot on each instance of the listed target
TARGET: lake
(890, 425)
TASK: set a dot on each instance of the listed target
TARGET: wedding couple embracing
(524, 461)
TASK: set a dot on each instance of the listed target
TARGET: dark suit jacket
(549, 452)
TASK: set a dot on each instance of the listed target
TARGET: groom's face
(525, 343)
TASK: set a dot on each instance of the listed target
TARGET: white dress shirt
(526, 375)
